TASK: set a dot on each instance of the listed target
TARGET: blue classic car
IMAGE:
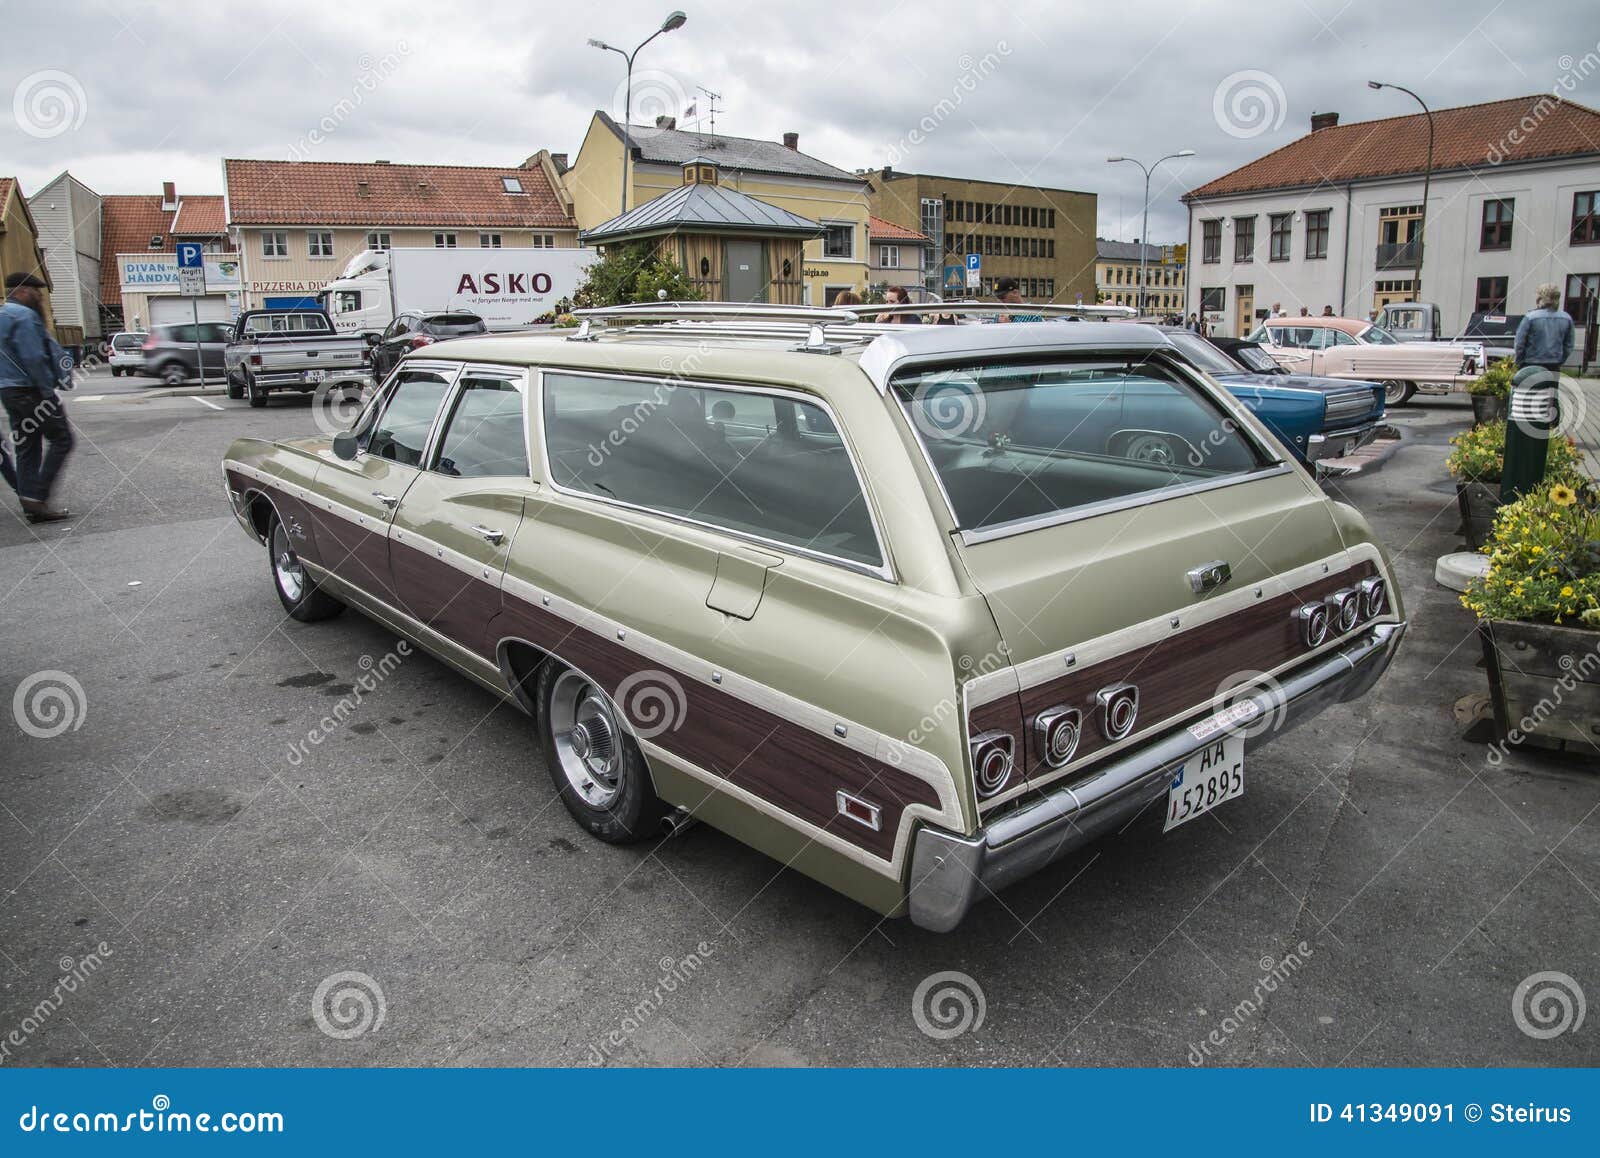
(1316, 418)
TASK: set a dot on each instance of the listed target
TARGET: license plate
(1348, 449)
(1212, 776)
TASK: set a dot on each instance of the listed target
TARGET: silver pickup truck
(275, 350)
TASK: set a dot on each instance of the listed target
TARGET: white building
(1332, 219)
(67, 213)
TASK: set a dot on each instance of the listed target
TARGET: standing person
(1278, 311)
(1544, 342)
(847, 298)
(1305, 311)
(29, 375)
(1194, 324)
(1327, 311)
(898, 295)
(1009, 290)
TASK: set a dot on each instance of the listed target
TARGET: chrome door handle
(489, 533)
(387, 500)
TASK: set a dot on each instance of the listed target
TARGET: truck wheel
(174, 374)
(115, 373)
(597, 769)
(254, 392)
(1396, 393)
(235, 391)
(301, 598)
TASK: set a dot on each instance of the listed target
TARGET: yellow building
(1116, 275)
(1042, 237)
(777, 173)
(19, 243)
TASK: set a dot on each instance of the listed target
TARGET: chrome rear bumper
(951, 873)
(1331, 445)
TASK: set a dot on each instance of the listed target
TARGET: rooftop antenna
(711, 103)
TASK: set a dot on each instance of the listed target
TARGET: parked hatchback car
(170, 353)
(125, 353)
(414, 329)
(1315, 418)
(895, 605)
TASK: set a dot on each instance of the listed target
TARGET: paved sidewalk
(1586, 426)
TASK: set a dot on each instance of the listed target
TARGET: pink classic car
(1349, 348)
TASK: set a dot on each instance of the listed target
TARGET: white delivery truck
(509, 289)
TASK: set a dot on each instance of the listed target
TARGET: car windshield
(1203, 355)
(1017, 442)
(1377, 336)
(1257, 359)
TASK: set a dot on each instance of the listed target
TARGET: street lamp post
(1427, 179)
(672, 23)
(1144, 229)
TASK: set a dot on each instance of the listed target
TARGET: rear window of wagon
(1017, 442)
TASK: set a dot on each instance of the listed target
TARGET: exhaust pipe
(677, 822)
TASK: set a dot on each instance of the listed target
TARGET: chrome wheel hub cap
(286, 566)
(587, 740)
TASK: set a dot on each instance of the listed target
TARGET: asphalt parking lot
(220, 886)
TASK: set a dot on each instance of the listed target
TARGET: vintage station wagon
(902, 606)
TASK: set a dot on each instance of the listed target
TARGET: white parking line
(89, 398)
(206, 402)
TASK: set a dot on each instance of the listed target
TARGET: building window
(319, 243)
(1214, 300)
(1582, 289)
(275, 243)
(488, 241)
(889, 256)
(838, 239)
(444, 241)
(378, 239)
(1491, 298)
(1244, 239)
(1317, 233)
(1280, 237)
(1586, 218)
(511, 184)
(1211, 241)
(1050, 286)
(1496, 231)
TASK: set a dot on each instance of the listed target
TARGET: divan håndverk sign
(158, 272)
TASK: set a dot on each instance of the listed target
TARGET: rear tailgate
(300, 353)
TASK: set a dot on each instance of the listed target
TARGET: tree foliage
(633, 272)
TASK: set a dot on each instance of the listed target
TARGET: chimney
(169, 195)
(888, 172)
(791, 141)
(665, 122)
(559, 160)
(1323, 121)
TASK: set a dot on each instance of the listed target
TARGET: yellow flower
(1567, 591)
(1563, 495)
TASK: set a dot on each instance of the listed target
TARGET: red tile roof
(201, 217)
(328, 193)
(880, 230)
(1471, 137)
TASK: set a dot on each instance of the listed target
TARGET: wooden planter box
(1486, 408)
(1478, 502)
(1544, 684)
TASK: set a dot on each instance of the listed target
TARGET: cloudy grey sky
(128, 94)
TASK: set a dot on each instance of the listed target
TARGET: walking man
(29, 374)
(1544, 342)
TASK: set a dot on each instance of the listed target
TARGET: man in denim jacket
(30, 370)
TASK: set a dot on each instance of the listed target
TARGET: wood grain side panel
(447, 599)
(1185, 670)
(296, 513)
(789, 766)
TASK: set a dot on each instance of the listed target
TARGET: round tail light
(1058, 731)
(1315, 621)
(1119, 707)
(1374, 597)
(1344, 608)
(992, 762)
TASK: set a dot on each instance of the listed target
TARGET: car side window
(401, 431)
(484, 437)
(1340, 338)
(396, 328)
(752, 462)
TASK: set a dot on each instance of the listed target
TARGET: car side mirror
(372, 338)
(345, 444)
